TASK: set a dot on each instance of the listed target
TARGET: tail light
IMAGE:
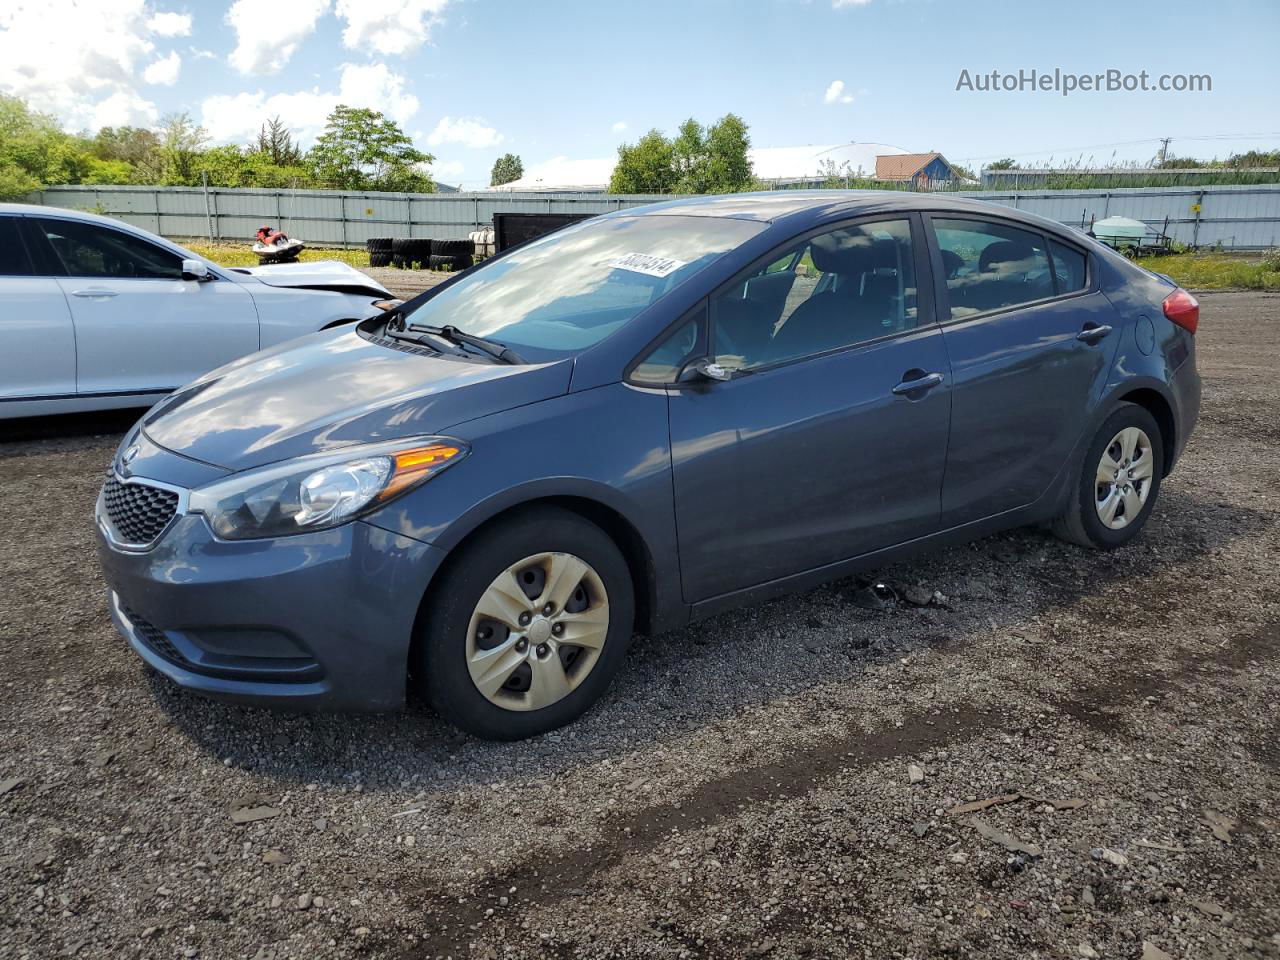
(1183, 309)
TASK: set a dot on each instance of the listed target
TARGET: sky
(556, 82)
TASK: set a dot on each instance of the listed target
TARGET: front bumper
(320, 620)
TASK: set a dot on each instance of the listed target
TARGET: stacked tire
(379, 251)
(410, 253)
(452, 254)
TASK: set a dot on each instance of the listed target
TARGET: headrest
(952, 261)
(1004, 251)
(841, 251)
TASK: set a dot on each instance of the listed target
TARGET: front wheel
(527, 625)
(1119, 481)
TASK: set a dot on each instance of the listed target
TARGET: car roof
(794, 206)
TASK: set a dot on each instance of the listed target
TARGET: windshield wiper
(493, 348)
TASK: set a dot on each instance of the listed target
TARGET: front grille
(154, 638)
(138, 512)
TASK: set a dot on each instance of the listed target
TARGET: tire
(453, 632)
(406, 251)
(378, 244)
(1082, 523)
(452, 248)
(379, 259)
(452, 263)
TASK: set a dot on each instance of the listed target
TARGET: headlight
(321, 490)
(387, 304)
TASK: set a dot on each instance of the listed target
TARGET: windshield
(567, 291)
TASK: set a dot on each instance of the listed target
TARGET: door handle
(919, 383)
(91, 292)
(1093, 332)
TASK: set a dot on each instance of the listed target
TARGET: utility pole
(1164, 149)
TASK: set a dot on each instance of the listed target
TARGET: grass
(1216, 271)
(239, 254)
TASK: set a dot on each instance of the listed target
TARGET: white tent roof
(769, 163)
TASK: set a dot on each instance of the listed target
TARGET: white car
(96, 314)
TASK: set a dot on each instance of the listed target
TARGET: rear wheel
(1119, 481)
(527, 625)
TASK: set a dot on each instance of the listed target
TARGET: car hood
(333, 389)
(322, 275)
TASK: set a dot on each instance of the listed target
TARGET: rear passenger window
(13, 255)
(989, 266)
(1069, 267)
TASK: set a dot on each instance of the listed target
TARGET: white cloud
(199, 54)
(837, 4)
(170, 24)
(164, 71)
(469, 131)
(449, 171)
(268, 33)
(77, 60)
(835, 93)
(235, 118)
(390, 27)
(619, 126)
(123, 109)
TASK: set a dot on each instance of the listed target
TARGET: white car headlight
(321, 490)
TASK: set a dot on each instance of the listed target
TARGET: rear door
(37, 339)
(830, 438)
(1029, 337)
(141, 328)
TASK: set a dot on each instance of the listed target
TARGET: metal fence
(1234, 217)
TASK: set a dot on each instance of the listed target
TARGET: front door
(1030, 345)
(141, 328)
(829, 439)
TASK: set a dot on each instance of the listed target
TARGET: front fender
(607, 447)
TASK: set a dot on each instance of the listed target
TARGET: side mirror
(704, 369)
(195, 270)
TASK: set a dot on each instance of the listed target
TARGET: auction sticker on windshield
(647, 264)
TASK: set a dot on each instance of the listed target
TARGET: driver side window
(89, 250)
(836, 289)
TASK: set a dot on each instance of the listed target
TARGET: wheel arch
(1158, 405)
(624, 534)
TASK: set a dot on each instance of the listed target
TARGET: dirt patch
(745, 789)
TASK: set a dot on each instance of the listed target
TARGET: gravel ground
(777, 782)
(406, 283)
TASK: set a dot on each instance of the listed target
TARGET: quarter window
(664, 362)
(989, 266)
(88, 250)
(1069, 267)
(834, 290)
(13, 255)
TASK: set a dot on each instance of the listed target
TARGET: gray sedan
(638, 421)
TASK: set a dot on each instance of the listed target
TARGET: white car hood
(321, 275)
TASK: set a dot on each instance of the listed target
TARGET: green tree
(276, 142)
(699, 160)
(36, 148)
(15, 182)
(130, 145)
(176, 161)
(728, 165)
(647, 166)
(1007, 163)
(506, 168)
(362, 149)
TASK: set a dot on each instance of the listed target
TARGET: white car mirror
(195, 270)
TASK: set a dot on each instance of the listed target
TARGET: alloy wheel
(537, 631)
(1124, 478)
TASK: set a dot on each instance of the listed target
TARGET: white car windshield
(565, 292)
